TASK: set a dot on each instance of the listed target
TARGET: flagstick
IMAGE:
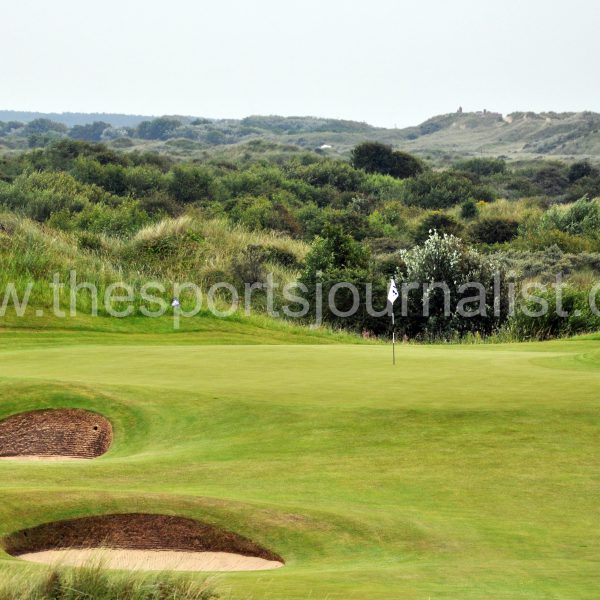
(393, 338)
(392, 297)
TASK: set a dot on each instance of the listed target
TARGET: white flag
(393, 292)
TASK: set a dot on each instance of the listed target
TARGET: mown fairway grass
(465, 472)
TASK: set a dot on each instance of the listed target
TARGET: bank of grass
(188, 249)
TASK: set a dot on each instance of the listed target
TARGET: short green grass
(464, 472)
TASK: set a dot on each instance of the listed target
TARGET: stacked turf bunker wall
(70, 432)
(136, 531)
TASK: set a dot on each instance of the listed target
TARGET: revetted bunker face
(135, 531)
(71, 432)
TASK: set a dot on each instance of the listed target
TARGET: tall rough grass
(187, 249)
(94, 583)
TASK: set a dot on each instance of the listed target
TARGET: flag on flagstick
(393, 292)
(392, 297)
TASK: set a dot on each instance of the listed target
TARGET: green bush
(91, 132)
(249, 265)
(333, 173)
(482, 167)
(191, 184)
(447, 260)
(437, 190)
(158, 129)
(581, 169)
(87, 240)
(581, 218)
(468, 209)
(334, 258)
(494, 231)
(545, 264)
(526, 324)
(374, 157)
(437, 221)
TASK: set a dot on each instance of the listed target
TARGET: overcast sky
(382, 61)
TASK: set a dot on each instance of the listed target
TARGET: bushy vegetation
(374, 157)
(307, 216)
(457, 307)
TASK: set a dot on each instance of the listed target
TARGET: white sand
(152, 560)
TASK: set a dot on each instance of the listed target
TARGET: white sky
(382, 61)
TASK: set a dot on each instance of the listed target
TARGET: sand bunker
(152, 560)
(55, 433)
(140, 541)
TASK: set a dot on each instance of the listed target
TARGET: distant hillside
(70, 119)
(522, 135)
(517, 134)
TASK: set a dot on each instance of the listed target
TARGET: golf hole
(139, 541)
(55, 433)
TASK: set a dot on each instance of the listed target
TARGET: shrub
(437, 221)
(89, 241)
(109, 176)
(249, 265)
(190, 184)
(333, 173)
(551, 179)
(482, 167)
(160, 203)
(544, 264)
(144, 179)
(158, 129)
(447, 260)
(41, 126)
(494, 231)
(281, 256)
(374, 157)
(91, 132)
(122, 220)
(468, 209)
(263, 213)
(336, 257)
(437, 190)
(581, 169)
(527, 324)
(581, 218)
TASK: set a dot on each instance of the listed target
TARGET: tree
(374, 157)
(39, 126)
(158, 129)
(92, 132)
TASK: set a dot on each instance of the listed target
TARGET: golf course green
(464, 472)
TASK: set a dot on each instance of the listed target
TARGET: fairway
(465, 472)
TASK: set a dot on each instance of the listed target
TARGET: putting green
(465, 472)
